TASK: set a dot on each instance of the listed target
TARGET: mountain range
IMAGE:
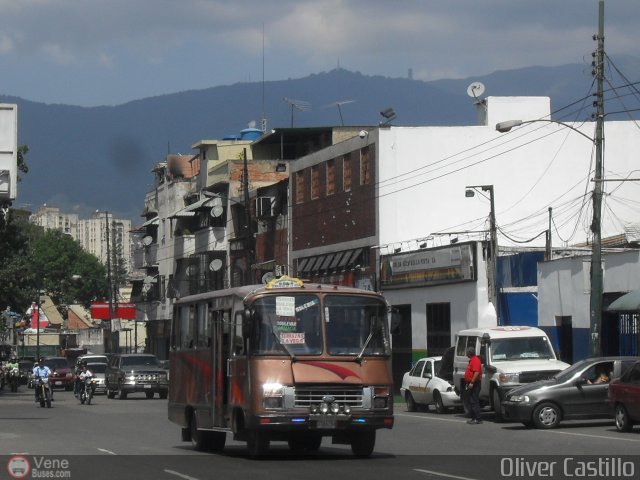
(83, 159)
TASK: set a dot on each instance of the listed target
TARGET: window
(331, 177)
(366, 161)
(416, 371)
(315, 182)
(300, 187)
(346, 172)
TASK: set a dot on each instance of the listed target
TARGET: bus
(285, 361)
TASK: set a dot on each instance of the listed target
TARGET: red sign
(100, 311)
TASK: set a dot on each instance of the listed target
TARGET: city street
(133, 439)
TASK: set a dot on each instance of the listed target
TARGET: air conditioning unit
(265, 207)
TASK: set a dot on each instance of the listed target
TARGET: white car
(422, 386)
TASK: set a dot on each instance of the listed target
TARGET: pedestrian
(473, 379)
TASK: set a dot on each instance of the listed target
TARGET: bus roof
(243, 291)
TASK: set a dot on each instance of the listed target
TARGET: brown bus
(286, 362)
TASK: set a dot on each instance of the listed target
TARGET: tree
(22, 166)
(32, 260)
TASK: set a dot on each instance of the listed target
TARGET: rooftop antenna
(339, 105)
(301, 105)
(475, 91)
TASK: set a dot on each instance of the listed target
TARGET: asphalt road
(133, 439)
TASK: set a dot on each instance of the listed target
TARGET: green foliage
(34, 260)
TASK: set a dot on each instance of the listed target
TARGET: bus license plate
(326, 422)
(147, 386)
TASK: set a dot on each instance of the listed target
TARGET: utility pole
(109, 281)
(248, 231)
(597, 286)
(548, 242)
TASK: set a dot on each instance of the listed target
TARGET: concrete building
(51, 218)
(396, 196)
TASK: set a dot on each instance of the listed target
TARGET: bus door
(220, 326)
(237, 364)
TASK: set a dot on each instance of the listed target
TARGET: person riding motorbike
(13, 372)
(84, 376)
(41, 371)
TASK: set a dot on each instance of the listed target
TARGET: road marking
(441, 474)
(430, 418)
(595, 436)
(106, 451)
(181, 475)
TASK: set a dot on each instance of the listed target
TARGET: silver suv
(135, 372)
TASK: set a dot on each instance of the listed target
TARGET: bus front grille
(305, 397)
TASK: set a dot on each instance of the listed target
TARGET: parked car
(98, 370)
(61, 372)
(574, 393)
(624, 396)
(135, 372)
(423, 385)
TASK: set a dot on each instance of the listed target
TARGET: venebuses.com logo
(18, 467)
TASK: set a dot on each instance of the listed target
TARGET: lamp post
(597, 287)
(493, 240)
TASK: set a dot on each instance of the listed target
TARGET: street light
(597, 287)
(493, 271)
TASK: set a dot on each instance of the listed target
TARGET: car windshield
(142, 361)
(521, 348)
(97, 367)
(356, 325)
(54, 363)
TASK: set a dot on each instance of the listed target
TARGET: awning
(331, 261)
(629, 302)
(202, 203)
(151, 221)
(182, 213)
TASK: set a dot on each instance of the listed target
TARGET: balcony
(146, 256)
(183, 246)
(211, 239)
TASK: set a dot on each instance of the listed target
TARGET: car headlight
(519, 398)
(509, 378)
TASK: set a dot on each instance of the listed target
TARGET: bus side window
(238, 342)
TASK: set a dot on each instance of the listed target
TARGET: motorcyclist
(12, 364)
(41, 371)
(85, 374)
(77, 383)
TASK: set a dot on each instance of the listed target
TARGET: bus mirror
(486, 339)
(246, 323)
(396, 320)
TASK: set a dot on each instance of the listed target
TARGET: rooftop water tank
(250, 134)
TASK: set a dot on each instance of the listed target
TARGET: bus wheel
(199, 439)
(257, 443)
(362, 443)
(217, 441)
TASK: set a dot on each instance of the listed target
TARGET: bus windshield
(356, 326)
(287, 324)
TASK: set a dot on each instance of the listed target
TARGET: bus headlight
(380, 397)
(273, 395)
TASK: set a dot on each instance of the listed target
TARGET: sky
(109, 52)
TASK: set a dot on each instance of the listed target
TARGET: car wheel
(623, 422)
(496, 401)
(363, 443)
(411, 403)
(110, 393)
(149, 395)
(547, 415)
(122, 395)
(437, 400)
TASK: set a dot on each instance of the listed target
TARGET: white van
(511, 356)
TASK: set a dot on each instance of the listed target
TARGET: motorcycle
(44, 394)
(87, 390)
(14, 379)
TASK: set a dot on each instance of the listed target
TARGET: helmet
(41, 360)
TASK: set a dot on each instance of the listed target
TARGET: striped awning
(328, 262)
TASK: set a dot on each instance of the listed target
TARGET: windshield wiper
(273, 332)
(364, 347)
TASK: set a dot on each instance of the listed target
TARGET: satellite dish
(148, 280)
(215, 265)
(191, 270)
(267, 277)
(475, 90)
(252, 124)
(147, 240)
(216, 209)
